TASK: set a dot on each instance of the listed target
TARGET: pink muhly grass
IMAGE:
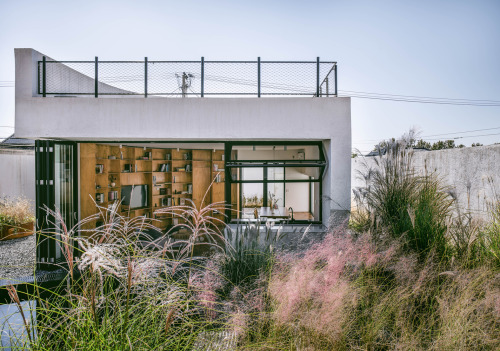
(205, 285)
(311, 290)
(238, 322)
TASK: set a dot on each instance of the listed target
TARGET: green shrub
(249, 253)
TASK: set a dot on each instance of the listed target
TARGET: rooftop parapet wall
(166, 118)
(182, 78)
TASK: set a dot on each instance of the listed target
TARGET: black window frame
(230, 164)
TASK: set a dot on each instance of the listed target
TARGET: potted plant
(16, 218)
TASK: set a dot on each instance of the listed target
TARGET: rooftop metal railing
(187, 78)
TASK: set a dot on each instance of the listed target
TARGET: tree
(422, 144)
(441, 145)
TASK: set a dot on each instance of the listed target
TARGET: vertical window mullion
(264, 185)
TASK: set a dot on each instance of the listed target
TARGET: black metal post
(336, 79)
(145, 77)
(202, 76)
(317, 76)
(258, 76)
(96, 87)
(44, 81)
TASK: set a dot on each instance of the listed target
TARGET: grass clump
(16, 211)
(402, 202)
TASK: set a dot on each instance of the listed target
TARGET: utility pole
(184, 85)
(184, 82)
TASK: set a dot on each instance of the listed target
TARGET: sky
(439, 49)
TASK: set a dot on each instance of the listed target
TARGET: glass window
(302, 173)
(291, 174)
(277, 152)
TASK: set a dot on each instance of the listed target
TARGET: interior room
(262, 182)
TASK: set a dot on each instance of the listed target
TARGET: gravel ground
(17, 257)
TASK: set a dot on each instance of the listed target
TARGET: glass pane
(275, 173)
(301, 198)
(252, 197)
(278, 191)
(252, 173)
(63, 185)
(302, 173)
(277, 152)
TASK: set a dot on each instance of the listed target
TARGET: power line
(470, 136)
(468, 131)
(419, 97)
(432, 135)
(423, 101)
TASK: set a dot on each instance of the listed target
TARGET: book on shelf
(182, 201)
(99, 168)
(164, 167)
(127, 168)
(99, 198)
(113, 195)
(188, 168)
(190, 188)
(166, 201)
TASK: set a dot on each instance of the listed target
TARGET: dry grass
(16, 211)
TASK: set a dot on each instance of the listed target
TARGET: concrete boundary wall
(17, 173)
(473, 173)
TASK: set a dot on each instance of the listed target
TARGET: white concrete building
(279, 118)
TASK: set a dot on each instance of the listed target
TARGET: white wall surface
(471, 170)
(17, 173)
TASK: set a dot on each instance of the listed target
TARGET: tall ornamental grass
(123, 290)
(403, 203)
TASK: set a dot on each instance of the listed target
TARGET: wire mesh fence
(187, 78)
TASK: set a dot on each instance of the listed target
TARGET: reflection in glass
(64, 190)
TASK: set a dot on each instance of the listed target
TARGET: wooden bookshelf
(173, 176)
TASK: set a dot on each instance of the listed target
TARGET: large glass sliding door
(56, 198)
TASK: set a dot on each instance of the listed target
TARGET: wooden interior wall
(202, 177)
(87, 182)
(189, 175)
